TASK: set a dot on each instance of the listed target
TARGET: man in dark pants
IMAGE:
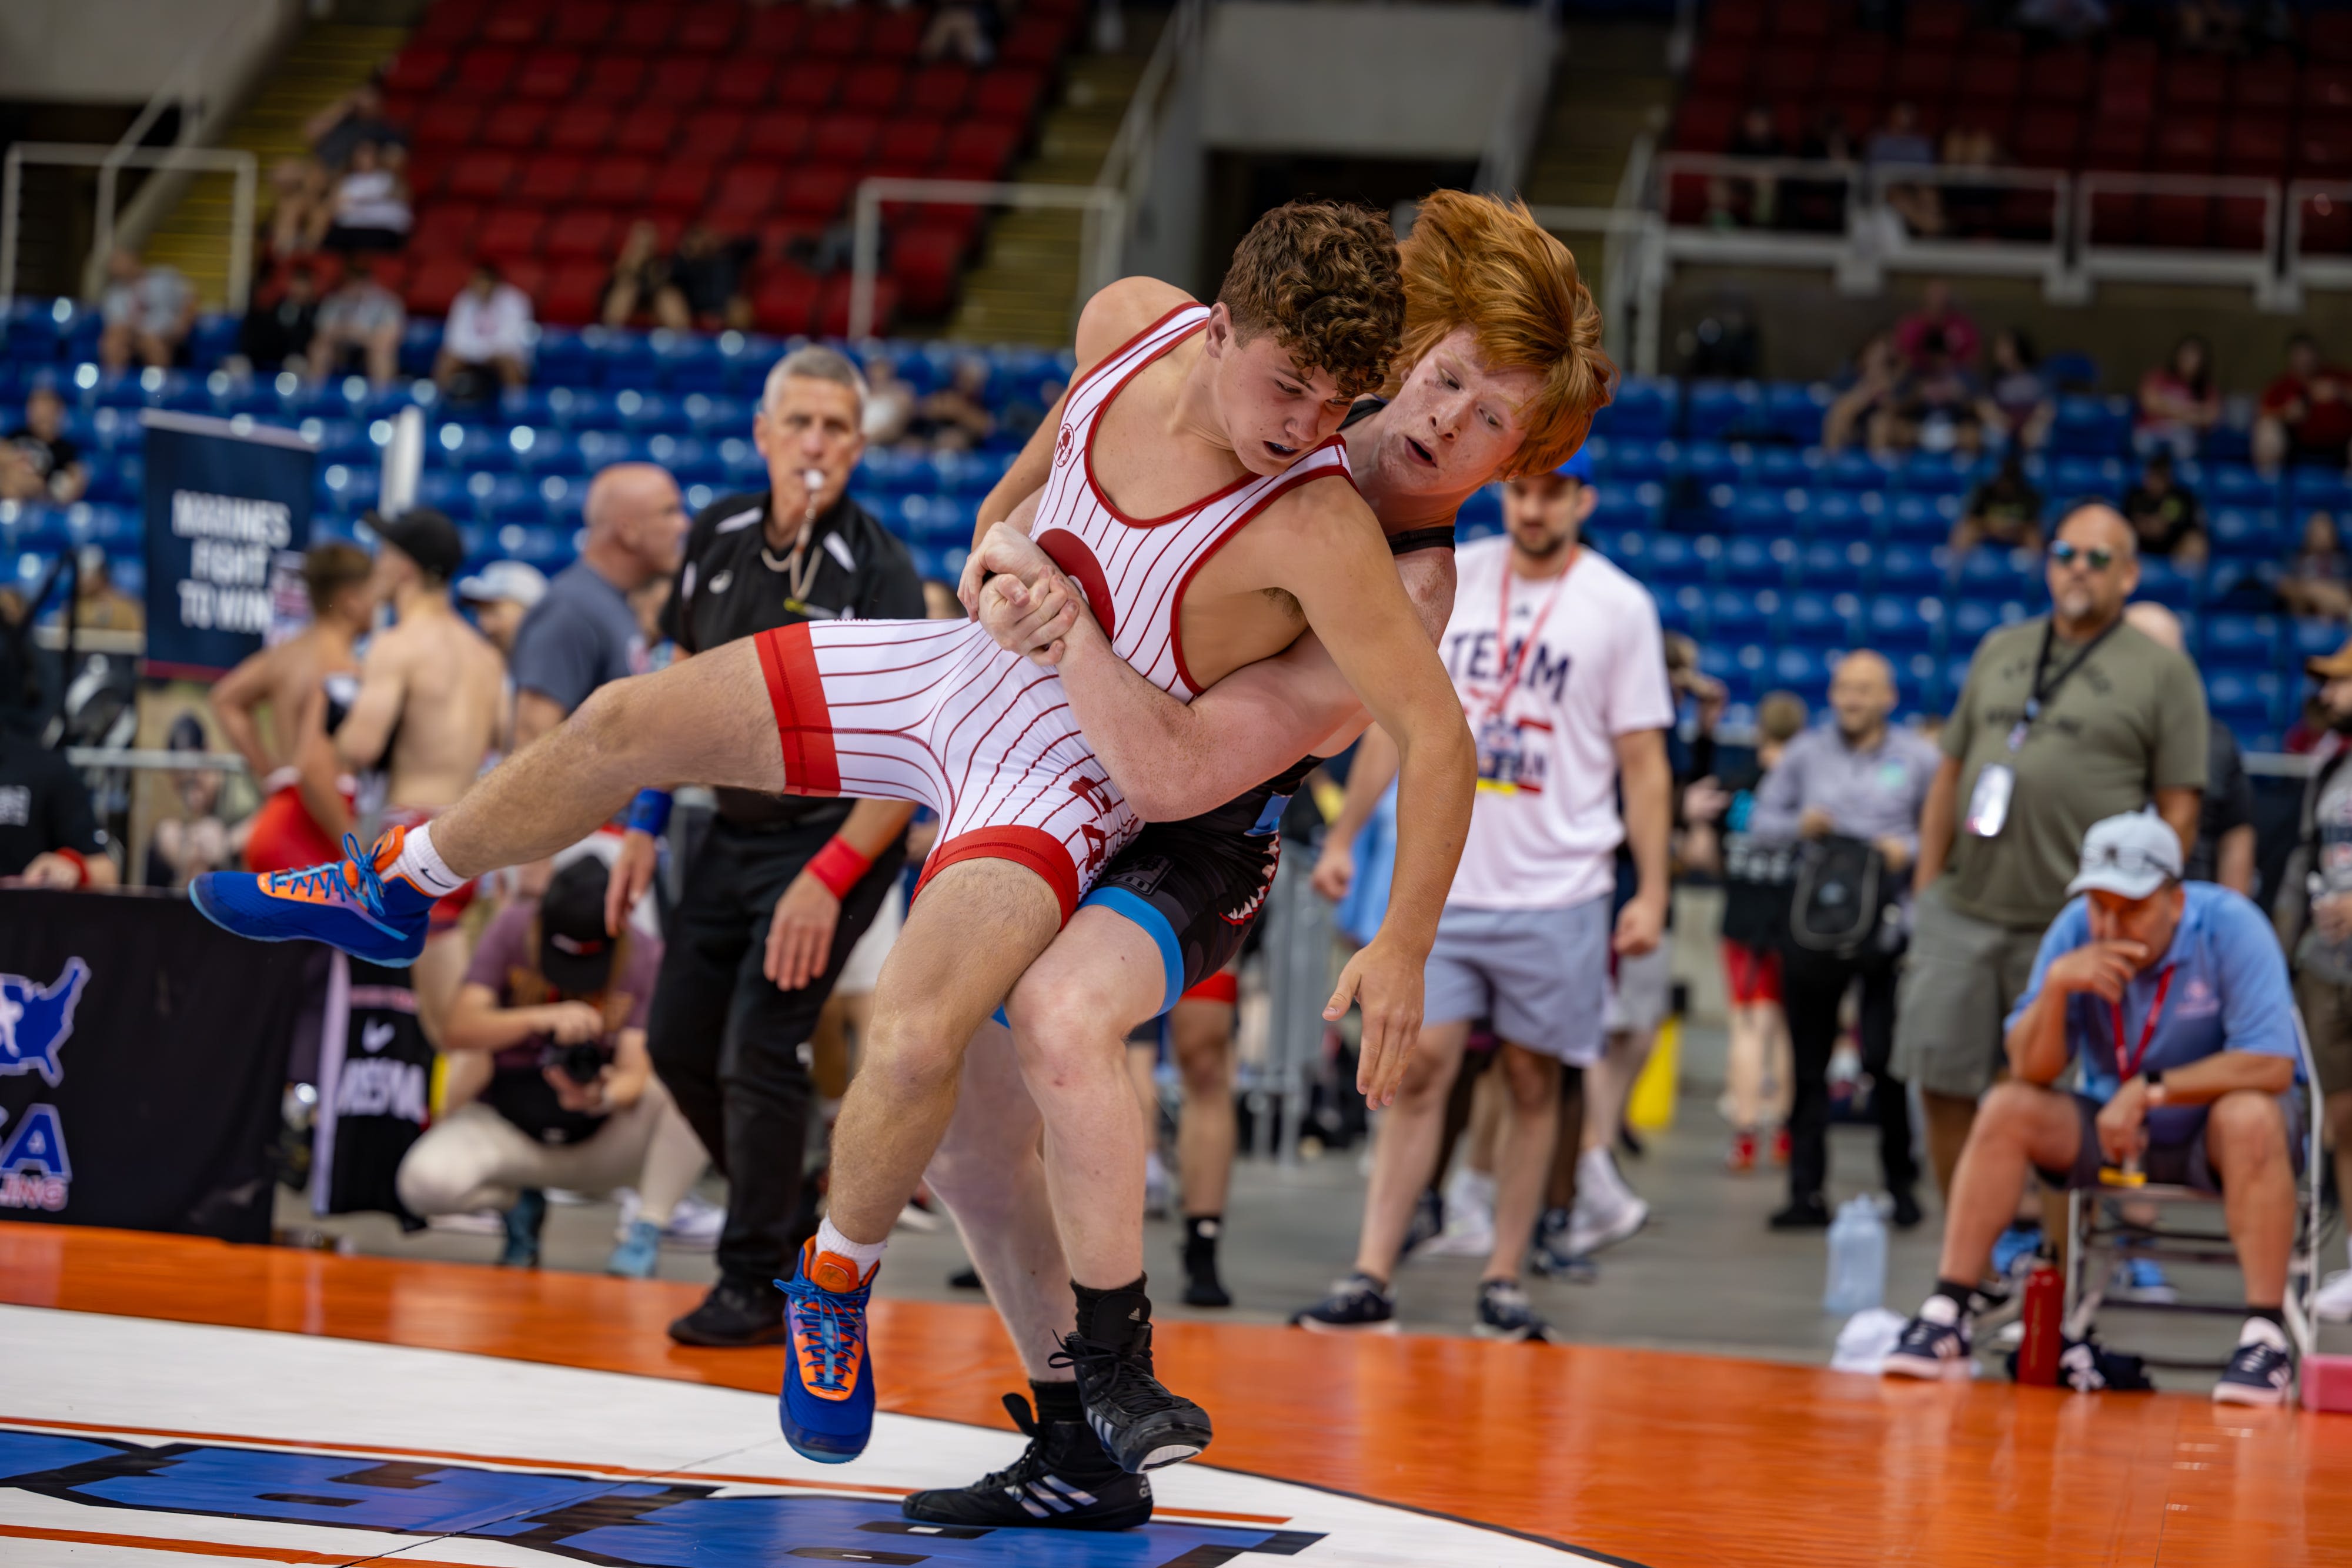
(1858, 777)
(781, 887)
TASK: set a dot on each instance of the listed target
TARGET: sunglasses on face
(2066, 554)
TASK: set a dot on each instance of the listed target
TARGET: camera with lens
(581, 1062)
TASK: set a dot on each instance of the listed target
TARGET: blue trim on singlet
(1143, 913)
(1270, 819)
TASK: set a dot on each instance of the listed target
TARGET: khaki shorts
(2327, 1018)
(1960, 979)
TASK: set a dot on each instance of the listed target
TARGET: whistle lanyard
(2040, 694)
(2127, 1067)
(1535, 630)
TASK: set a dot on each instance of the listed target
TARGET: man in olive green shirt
(2065, 720)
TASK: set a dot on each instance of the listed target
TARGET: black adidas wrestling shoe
(1063, 1481)
(1141, 1425)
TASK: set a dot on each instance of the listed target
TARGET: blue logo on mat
(35, 1021)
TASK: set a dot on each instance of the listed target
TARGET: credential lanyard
(2128, 1067)
(1535, 630)
(2042, 694)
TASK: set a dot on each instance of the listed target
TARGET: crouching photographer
(551, 1024)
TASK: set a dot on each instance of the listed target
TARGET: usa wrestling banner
(143, 1058)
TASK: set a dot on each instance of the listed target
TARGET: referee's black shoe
(733, 1317)
(1141, 1425)
(1063, 1481)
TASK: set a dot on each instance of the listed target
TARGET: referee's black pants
(727, 1041)
(1813, 987)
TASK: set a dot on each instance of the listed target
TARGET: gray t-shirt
(581, 636)
(2332, 815)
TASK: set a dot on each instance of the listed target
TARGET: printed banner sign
(143, 1058)
(228, 514)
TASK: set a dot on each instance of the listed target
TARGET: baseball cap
(1579, 468)
(2331, 666)
(425, 537)
(574, 952)
(517, 580)
(2131, 855)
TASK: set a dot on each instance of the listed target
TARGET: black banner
(142, 1059)
(375, 1079)
(228, 512)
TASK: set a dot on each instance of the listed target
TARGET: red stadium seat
(1006, 93)
(961, 219)
(435, 282)
(677, 80)
(2327, 90)
(681, 187)
(784, 238)
(874, 86)
(1937, 21)
(2326, 225)
(484, 176)
(614, 79)
(708, 29)
(2238, 223)
(643, 30)
(1988, 70)
(817, 192)
(1735, 19)
(807, 84)
(774, 30)
(2328, 35)
(518, 126)
(441, 125)
(2179, 223)
(2047, 136)
(1922, 76)
(711, 136)
(845, 138)
(2322, 150)
(510, 233)
(783, 300)
(896, 35)
(2256, 144)
(938, 89)
(526, 274)
(445, 229)
(2126, 98)
(417, 70)
(583, 234)
(832, 317)
(1035, 41)
(513, 25)
(447, 26)
(648, 129)
(623, 182)
(742, 82)
(779, 135)
(551, 180)
(582, 24)
(1722, 66)
(1787, 71)
(2266, 84)
(915, 142)
(1856, 69)
(2114, 218)
(551, 74)
(743, 196)
(574, 293)
(2187, 143)
(2059, 77)
(1704, 124)
(2120, 144)
(2193, 83)
(579, 127)
(924, 262)
(834, 33)
(1800, 18)
(485, 70)
(980, 148)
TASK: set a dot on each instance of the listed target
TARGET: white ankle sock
(421, 865)
(865, 1254)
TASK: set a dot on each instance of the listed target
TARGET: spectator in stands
(99, 604)
(1899, 141)
(1876, 388)
(2005, 509)
(2179, 402)
(2225, 850)
(489, 333)
(1757, 137)
(277, 332)
(956, 418)
(1938, 410)
(360, 317)
(2063, 20)
(962, 31)
(194, 839)
(336, 132)
(501, 595)
(640, 278)
(148, 312)
(559, 1008)
(2318, 580)
(2065, 719)
(302, 209)
(1819, 204)
(2167, 516)
(706, 283)
(1971, 209)
(49, 836)
(2314, 921)
(2016, 405)
(890, 404)
(2213, 26)
(2307, 413)
(40, 462)
(1938, 328)
(2198, 1100)
(371, 208)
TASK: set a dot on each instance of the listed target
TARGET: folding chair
(2100, 1234)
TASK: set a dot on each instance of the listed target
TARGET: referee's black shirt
(726, 589)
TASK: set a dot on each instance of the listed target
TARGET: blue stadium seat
(1624, 506)
(2075, 477)
(690, 460)
(1843, 515)
(1988, 573)
(470, 449)
(1853, 470)
(1829, 568)
(1972, 618)
(1910, 569)
(1897, 625)
(930, 520)
(1918, 684)
(601, 448)
(2309, 639)
(1781, 466)
(2318, 489)
(212, 340)
(746, 469)
(1673, 561)
(1805, 671)
(420, 343)
(1820, 620)
(688, 362)
(546, 450)
(1634, 458)
(1924, 520)
(1679, 613)
(2091, 426)
(1629, 549)
(1796, 410)
(1736, 615)
(1726, 411)
(581, 408)
(2244, 533)
(618, 358)
(347, 487)
(711, 414)
(647, 413)
(1645, 406)
(1755, 510)
(1756, 563)
(1712, 462)
(2245, 700)
(119, 480)
(1481, 514)
(2235, 484)
(2167, 585)
(562, 497)
(1938, 474)
(548, 549)
(2240, 641)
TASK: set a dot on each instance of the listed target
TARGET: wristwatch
(2154, 1078)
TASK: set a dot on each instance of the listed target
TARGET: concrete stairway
(1612, 85)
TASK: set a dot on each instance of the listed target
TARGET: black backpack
(1843, 906)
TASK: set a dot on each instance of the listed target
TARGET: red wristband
(838, 865)
(81, 864)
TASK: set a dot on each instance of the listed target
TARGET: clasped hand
(1014, 589)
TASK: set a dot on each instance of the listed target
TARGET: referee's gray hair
(817, 363)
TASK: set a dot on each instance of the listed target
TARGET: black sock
(1110, 1317)
(1201, 1230)
(1057, 1401)
(2268, 1315)
(1959, 1292)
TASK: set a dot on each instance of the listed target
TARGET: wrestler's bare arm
(365, 733)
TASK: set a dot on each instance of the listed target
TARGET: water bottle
(1857, 1259)
(2045, 1299)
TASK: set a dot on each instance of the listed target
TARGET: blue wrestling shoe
(828, 1398)
(347, 904)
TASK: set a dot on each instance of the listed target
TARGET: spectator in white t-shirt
(490, 331)
(372, 210)
(148, 312)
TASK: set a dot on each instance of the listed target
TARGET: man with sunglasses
(2064, 720)
(2175, 998)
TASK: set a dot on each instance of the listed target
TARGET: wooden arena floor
(1653, 1458)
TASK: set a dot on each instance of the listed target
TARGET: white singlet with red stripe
(936, 713)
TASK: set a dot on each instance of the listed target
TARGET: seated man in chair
(2175, 996)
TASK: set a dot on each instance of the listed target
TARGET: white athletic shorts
(1538, 974)
(936, 713)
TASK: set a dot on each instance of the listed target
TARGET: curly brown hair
(1485, 264)
(1323, 278)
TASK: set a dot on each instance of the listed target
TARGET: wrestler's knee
(1058, 1028)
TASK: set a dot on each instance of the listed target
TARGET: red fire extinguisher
(2045, 1305)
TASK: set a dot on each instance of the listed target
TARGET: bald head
(2154, 623)
(636, 524)
(2093, 567)
(1861, 694)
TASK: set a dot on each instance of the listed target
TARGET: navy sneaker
(1504, 1313)
(1935, 1344)
(2261, 1371)
(1551, 1257)
(348, 904)
(828, 1399)
(1428, 1223)
(1357, 1304)
(1063, 1481)
(524, 1222)
(1143, 1426)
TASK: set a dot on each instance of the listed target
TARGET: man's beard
(1545, 550)
(2341, 722)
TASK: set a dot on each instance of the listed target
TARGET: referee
(781, 887)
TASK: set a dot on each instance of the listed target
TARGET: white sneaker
(1469, 1218)
(483, 1222)
(693, 1223)
(1603, 1219)
(1597, 1173)
(1158, 1189)
(1468, 1189)
(2334, 1303)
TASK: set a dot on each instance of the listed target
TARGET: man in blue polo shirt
(2175, 997)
